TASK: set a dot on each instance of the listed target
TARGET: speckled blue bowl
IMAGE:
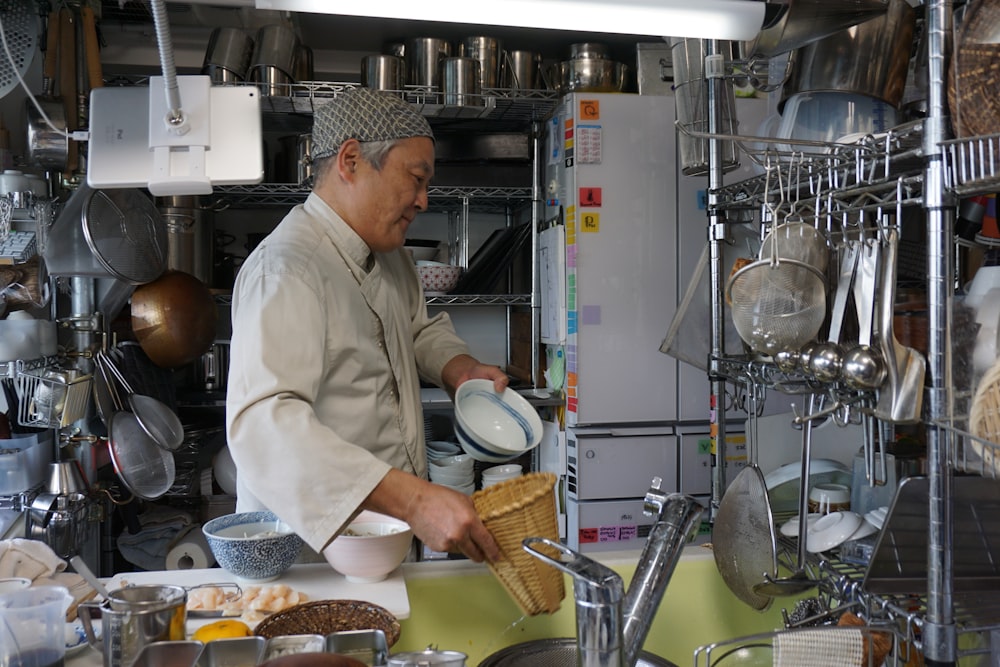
(240, 548)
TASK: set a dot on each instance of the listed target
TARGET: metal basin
(590, 75)
(560, 652)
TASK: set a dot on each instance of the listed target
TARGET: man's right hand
(442, 518)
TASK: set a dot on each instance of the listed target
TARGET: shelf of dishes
(885, 573)
(440, 198)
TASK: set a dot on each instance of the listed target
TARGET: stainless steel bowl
(590, 75)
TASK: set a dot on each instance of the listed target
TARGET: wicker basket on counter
(323, 617)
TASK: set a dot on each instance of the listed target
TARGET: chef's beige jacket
(323, 395)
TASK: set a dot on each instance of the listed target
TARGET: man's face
(389, 199)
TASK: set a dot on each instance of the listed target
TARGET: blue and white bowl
(495, 427)
(254, 546)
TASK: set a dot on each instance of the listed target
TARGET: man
(331, 337)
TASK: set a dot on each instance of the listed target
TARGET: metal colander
(559, 652)
(777, 304)
(20, 30)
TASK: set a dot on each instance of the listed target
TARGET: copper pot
(174, 319)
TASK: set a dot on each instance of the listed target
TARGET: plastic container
(829, 116)
(22, 464)
(33, 626)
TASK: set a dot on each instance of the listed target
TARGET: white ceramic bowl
(370, 548)
(495, 427)
(255, 546)
(454, 461)
(439, 277)
(505, 471)
(451, 477)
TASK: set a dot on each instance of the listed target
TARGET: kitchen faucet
(611, 625)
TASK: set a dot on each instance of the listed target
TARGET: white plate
(791, 471)
(876, 517)
(831, 530)
(783, 483)
(791, 527)
(864, 530)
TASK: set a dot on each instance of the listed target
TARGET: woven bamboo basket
(322, 617)
(974, 75)
(984, 419)
(513, 510)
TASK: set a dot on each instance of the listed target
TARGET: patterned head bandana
(366, 115)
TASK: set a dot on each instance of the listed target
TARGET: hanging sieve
(20, 32)
(146, 469)
(777, 305)
(126, 233)
(743, 541)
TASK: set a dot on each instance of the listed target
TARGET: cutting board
(317, 580)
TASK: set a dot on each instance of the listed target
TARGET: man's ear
(348, 158)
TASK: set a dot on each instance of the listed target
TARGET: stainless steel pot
(227, 56)
(276, 46)
(521, 70)
(868, 59)
(791, 24)
(383, 72)
(134, 617)
(460, 81)
(423, 59)
(487, 50)
(190, 236)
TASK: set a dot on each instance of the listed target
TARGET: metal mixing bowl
(590, 75)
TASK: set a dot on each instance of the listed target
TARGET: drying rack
(921, 166)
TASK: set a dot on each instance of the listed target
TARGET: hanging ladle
(799, 581)
(154, 416)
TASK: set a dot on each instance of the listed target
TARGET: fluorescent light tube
(705, 19)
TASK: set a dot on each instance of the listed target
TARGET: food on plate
(253, 604)
(226, 629)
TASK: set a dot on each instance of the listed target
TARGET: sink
(559, 652)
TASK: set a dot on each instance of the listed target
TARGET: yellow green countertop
(461, 606)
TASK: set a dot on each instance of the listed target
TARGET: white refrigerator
(609, 288)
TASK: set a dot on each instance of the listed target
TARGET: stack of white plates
(438, 449)
(456, 472)
(502, 473)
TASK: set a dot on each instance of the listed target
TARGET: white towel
(20, 557)
(822, 647)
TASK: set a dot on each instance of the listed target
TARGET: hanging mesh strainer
(743, 539)
(126, 234)
(20, 29)
(796, 240)
(777, 305)
(146, 469)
